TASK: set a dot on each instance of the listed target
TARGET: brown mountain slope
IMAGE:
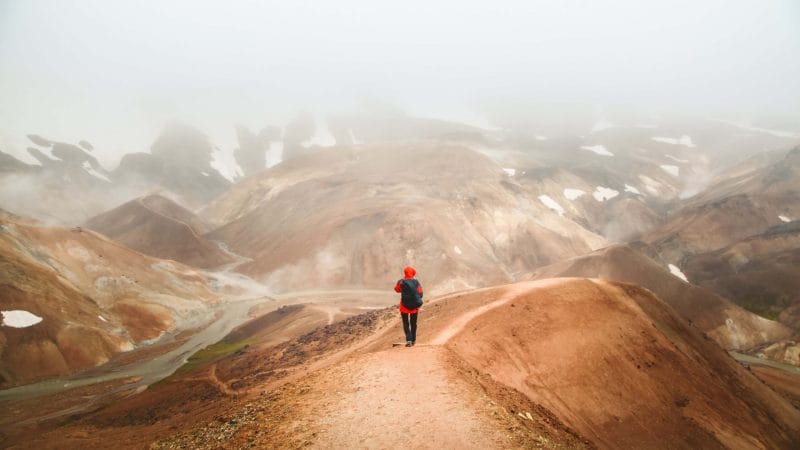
(157, 226)
(615, 363)
(52, 347)
(760, 273)
(565, 363)
(731, 326)
(354, 217)
(95, 298)
(738, 206)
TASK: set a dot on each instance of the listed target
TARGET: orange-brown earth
(96, 298)
(565, 363)
(786, 383)
(275, 322)
(157, 226)
(617, 364)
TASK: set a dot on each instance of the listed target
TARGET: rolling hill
(159, 227)
(87, 298)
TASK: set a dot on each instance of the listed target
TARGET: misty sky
(113, 72)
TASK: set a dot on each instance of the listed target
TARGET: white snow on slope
(632, 189)
(599, 149)
(784, 219)
(601, 125)
(677, 159)
(274, 153)
(670, 169)
(572, 194)
(650, 184)
(88, 168)
(673, 269)
(352, 137)
(778, 133)
(226, 165)
(322, 136)
(603, 193)
(684, 140)
(102, 318)
(552, 204)
(541, 138)
(457, 249)
(510, 172)
(19, 319)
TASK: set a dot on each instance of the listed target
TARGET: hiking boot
(409, 343)
(413, 342)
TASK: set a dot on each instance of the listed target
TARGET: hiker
(410, 302)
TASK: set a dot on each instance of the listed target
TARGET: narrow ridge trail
(389, 400)
(408, 397)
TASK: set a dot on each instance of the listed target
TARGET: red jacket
(409, 273)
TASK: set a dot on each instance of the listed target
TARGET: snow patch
(683, 161)
(573, 194)
(784, 219)
(510, 172)
(601, 125)
(650, 184)
(684, 140)
(226, 165)
(599, 149)
(79, 253)
(541, 138)
(603, 193)
(673, 269)
(778, 133)
(352, 137)
(89, 169)
(18, 318)
(457, 249)
(552, 204)
(274, 153)
(205, 174)
(670, 169)
(322, 136)
(102, 318)
(632, 189)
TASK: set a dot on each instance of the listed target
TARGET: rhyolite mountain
(159, 227)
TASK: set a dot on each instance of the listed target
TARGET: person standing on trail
(410, 301)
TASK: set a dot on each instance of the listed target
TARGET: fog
(114, 72)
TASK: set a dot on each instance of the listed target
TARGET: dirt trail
(404, 398)
(511, 291)
(409, 397)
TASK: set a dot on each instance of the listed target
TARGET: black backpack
(410, 297)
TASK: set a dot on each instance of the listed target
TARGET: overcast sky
(112, 72)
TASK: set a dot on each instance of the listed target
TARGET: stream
(741, 357)
(233, 313)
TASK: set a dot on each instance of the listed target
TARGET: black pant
(411, 332)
